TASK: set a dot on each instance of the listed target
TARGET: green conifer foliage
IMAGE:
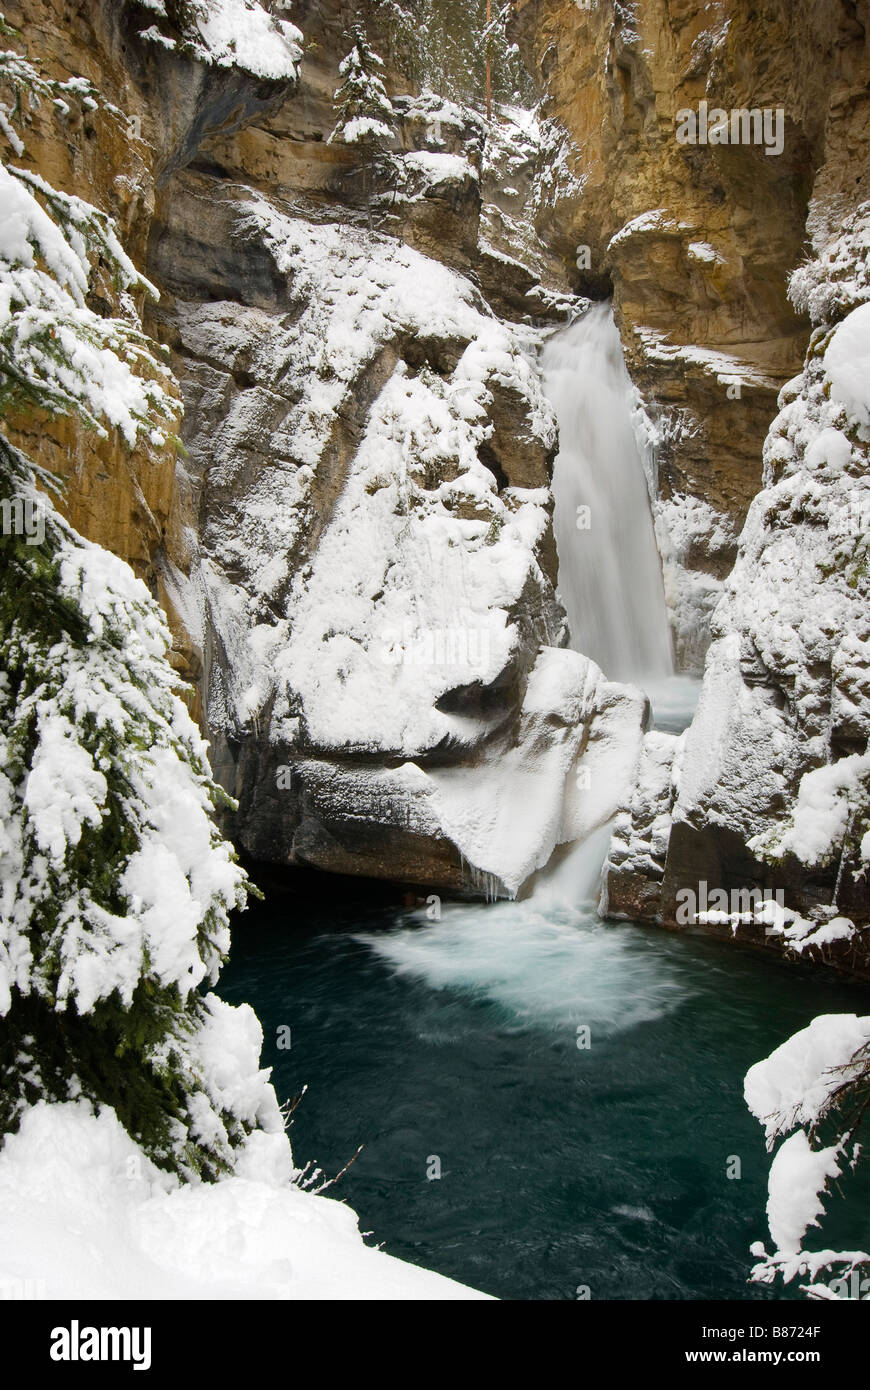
(364, 111)
(115, 885)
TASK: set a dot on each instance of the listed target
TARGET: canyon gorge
(366, 455)
(435, 449)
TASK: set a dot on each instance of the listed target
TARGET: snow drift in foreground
(793, 1090)
(85, 1214)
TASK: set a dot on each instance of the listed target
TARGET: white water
(674, 700)
(550, 970)
(610, 577)
(547, 960)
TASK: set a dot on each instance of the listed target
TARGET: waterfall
(610, 578)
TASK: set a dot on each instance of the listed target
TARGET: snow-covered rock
(791, 1093)
(372, 583)
(774, 784)
(641, 831)
(228, 33)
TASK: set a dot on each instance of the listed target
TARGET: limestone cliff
(356, 549)
(697, 241)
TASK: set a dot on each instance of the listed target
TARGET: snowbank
(84, 1214)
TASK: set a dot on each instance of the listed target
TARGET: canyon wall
(697, 241)
(355, 546)
(767, 790)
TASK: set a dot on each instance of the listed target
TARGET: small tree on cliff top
(364, 111)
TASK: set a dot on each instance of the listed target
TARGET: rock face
(356, 549)
(364, 544)
(697, 240)
(768, 789)
(155, 107)
(115, 498)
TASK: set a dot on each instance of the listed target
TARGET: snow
(234, 33)
(174, 872)
(826, 801)
(705, 254)
(798, 1174)
(63, 791)
(242, 33)
(153, 35)
(786, 679)
(394, 561)
(177, 871)
(793, 1086)
(682, 523)
(26, 230)
(41, 307)
(114, 879)
(793, 1090)
(847, 364)
(249, 1236)
(723, 366)
(508, 815)
(838, 277)
(658, 221)
(363, 128)
(110, 690)
(424, 569)
(437, 166)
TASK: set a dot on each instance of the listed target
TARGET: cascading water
(610, 578)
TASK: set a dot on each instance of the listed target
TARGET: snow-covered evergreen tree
(443, 44)
(364, 111)
(115, 885)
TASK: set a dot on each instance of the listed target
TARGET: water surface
(452, 1045)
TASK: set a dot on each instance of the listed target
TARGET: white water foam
(544, 961)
